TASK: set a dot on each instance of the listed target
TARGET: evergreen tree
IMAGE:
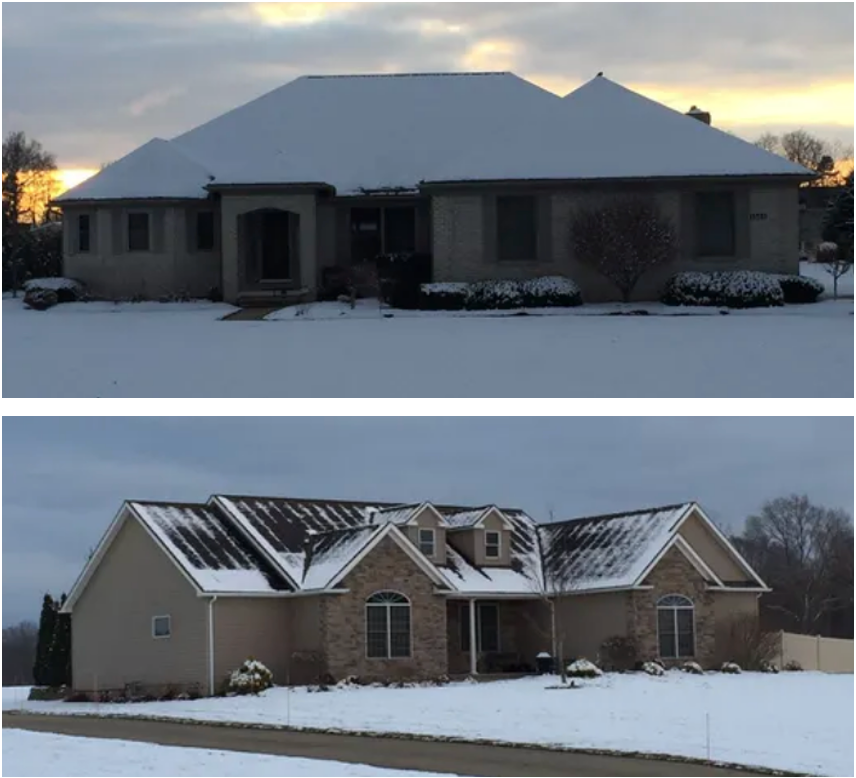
(838, 221)
(47, 623)
(59, 655)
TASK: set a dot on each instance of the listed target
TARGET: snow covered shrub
(652, 668)
(449, 296)
(769, 667)
(725, 288)
(799, 289)
(67, 289)
(692, 667)
(582, 668)
(623, 239)
(731, 667)
(618, 653)
(494, 296)
(252, 677)
(400, 277)
(41, 299)
(793, 666)
(550, 292)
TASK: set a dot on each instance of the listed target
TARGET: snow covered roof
(609, 551)
(158, 169)
(398, 514)
(208, 548)
(330, 552)
(396, 131)
(458, 518)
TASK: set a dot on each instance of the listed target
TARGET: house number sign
(757, 217)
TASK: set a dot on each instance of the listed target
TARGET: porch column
(474, 654)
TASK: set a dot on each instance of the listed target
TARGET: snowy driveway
(175, 350)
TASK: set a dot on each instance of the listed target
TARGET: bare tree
(19, 653)
(834, 263)
(795, 546)
(623, 239)
(770, 142)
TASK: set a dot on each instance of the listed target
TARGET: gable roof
(608, 131)
(393, 132)
(158, 169)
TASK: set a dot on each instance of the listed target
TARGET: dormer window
(427, 541)
(491, 544)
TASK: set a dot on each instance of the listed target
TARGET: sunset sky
(92, 81)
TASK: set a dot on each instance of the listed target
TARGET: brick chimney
(697, 113)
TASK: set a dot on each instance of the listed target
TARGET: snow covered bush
(731, 667)
(252, 677)
(827, 252)
(41, 299)
(792, 666)
(692, 667)
(769, 667)
(547, 292)
(449, 296)
(582, 668)
(623, 239)
(550, 292)
(725, 288)
(67, 289)
(799, 289)
(652, 668)
(495, 296)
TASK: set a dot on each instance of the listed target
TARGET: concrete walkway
(251, 314)
(401, 754)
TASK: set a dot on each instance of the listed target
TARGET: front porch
(509, 634)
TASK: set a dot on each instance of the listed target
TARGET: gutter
(211, 644)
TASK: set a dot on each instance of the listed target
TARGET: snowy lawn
(181, 350)
(791, 721)
(38, 754)
(813, 270)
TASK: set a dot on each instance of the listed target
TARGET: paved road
(426, 756)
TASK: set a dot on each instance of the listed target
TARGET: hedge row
(548, 292)
(740, 289)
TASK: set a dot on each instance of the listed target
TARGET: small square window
(84, 235)
(426, 541)
(138, 232)
(491, 544)
(205, 231)
(161, 627)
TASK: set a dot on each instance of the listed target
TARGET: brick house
(481, 171)
(180, 594)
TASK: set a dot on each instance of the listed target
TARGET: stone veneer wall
(343, 619)
(673, 575)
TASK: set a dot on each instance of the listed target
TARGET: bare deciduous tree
(770, 142)
(623, 239)
(19, 652)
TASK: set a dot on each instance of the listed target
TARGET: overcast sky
(93, 81)
(65, 478)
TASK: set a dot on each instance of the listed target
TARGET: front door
(276, 243)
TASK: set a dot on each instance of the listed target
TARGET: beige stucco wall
(461, 250)
(171, 267)
(112, 643)
(584, 621)
(386, 567)
(711, 550)
(233, 205)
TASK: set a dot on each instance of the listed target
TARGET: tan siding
(584, 621)
(471, 542)
(426, 519)
(308, 660)
(251, 627)
(711, 550)
(112, 642)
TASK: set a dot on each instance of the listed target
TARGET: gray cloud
(65, 478)
(73, 75)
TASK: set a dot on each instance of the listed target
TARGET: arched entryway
(269, 245)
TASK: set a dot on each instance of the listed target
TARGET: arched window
(387, 626)
(675, 626)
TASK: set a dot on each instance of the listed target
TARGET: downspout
(473, 639)
(211, 645)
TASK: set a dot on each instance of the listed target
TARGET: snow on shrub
(793, 666)
(652, 668)
(769, 667)
(731, 289)
(730, 667)
(67, 289)
(252, 677)
(582, 668)
(41, 299)
(799, 289)
(546, 292)
(692, 667)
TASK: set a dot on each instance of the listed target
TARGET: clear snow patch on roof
(157, 169)
(331, 552)
(464, 517)
(605, 551)
(467, 578)
(398, 515)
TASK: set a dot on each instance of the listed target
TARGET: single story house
(180, 594)
(481, 171)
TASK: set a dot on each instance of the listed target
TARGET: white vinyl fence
(812, 652)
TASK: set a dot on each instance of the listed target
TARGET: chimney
(697, 113)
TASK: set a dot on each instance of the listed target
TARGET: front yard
(792, 721)
(182, 350)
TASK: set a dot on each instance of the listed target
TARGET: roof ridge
(427, 74)
(616, 515)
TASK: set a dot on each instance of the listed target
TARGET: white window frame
(675, 608)
(498, 544)
(433, 534)
(387, 606)
(155, 619)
